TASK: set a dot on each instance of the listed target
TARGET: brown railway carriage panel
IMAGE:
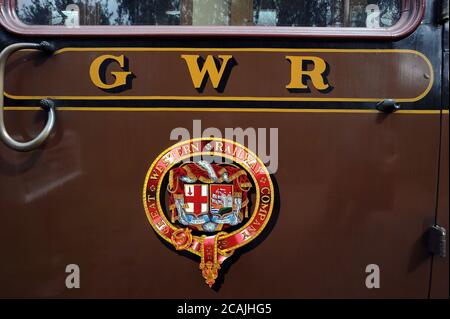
(354, 186)
(354, 189)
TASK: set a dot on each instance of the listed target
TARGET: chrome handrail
(46, 104)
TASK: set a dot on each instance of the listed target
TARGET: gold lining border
(233, 98)
(206, 109)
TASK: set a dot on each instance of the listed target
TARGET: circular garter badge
(210, 197)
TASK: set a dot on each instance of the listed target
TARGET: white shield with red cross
(196, 199)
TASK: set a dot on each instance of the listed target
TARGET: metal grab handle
(388, 106)
(46, 104)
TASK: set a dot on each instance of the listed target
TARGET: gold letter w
(209, 67)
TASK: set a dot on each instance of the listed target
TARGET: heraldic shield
(208, 197)
(206, 206)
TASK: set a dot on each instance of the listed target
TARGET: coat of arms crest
(208, 208)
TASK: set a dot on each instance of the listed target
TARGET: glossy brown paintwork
(254, 74)
(355, 189)
(440, 275)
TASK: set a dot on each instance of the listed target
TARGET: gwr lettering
(209, 68)
(306, 72)
(299, 73)
(98, 68)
